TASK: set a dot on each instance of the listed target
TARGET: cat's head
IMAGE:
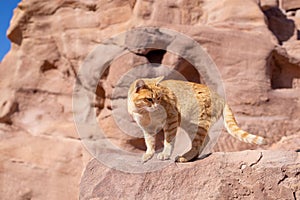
(147, 94)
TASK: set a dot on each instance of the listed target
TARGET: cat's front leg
(170, 130)
(166, 153)
(150, 144)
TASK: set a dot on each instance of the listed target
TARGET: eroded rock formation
(255, 45)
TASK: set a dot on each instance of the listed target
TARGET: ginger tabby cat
(156, 104)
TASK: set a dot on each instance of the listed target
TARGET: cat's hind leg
(197, 142)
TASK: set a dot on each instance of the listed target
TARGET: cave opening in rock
(276, 21)
(155, 56)
(176, 62)
(283, 73)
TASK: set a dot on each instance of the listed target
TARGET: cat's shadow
(198, 158)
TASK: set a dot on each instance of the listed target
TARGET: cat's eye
(158, 98)
(149, 99)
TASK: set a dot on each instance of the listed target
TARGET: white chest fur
(155, 120)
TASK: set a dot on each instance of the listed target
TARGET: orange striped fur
(235, 131)
(155, 104)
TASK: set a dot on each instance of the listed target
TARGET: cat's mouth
(152, 108)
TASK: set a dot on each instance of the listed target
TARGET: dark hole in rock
(47, 66)
(92, 7)
(155, 56)
(282, 27)
(100, 99)
(283, 73)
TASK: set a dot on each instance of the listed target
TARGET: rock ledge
(233, 175)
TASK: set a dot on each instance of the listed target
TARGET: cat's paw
(146, 157)
(163, 156)
(181, 159)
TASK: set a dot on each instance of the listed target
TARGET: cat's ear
(140, 84)
(158, 79)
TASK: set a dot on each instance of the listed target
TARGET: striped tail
(238, 133)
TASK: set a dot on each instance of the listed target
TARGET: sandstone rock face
(267, 4)
(240, 175)
(254, 44)
(290, 5)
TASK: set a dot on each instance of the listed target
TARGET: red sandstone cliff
(255, 44)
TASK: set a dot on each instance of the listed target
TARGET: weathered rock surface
(290, 4)
(255, 45)
(237, 175)
(38, 167)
